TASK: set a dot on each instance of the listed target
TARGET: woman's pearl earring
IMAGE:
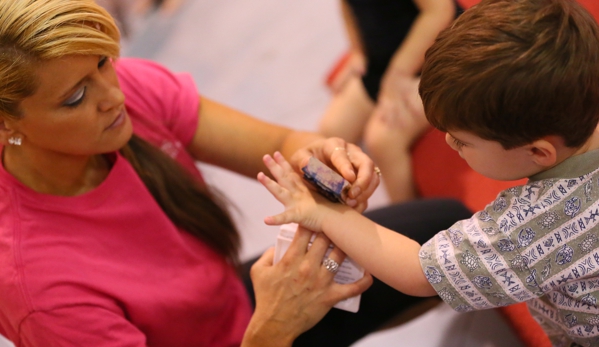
(15, 141)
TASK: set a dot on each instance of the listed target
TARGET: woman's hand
(294, 294)
(347, 159)
(233, 140)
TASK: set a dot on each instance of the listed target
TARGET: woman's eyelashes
(77, 98)
(102, 61)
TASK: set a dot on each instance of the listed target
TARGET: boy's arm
(389, 256)
(386, 254)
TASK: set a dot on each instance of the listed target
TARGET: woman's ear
(544, 152)
(5, 132)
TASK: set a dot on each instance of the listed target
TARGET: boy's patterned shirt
(537, 243)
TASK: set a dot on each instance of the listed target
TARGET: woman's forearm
(262, 334)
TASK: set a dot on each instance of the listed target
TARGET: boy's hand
(301, 205)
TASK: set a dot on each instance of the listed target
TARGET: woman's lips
(120, 119)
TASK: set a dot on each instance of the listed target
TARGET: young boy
(515, 84)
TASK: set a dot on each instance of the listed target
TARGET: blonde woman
(108, 235)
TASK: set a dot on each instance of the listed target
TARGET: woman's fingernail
(351, 202)
(355, 191)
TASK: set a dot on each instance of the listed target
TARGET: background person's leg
(347, 113)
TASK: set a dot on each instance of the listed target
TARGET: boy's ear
(543, 152)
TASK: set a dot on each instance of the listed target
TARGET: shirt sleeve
(532, 240)
(479, 263)
(154, 93)
(79, 326)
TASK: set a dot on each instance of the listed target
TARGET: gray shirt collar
(574, 166)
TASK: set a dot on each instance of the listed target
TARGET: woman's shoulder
(148, 83)
(142, 73)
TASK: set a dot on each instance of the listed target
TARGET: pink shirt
(108, 268)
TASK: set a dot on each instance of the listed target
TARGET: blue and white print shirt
(537, 243)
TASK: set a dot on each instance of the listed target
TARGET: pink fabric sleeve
(154, 92)
(79, 326)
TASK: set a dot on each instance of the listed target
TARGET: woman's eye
(76, 99)
(102, 61)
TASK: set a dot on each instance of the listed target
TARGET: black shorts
(383, 25)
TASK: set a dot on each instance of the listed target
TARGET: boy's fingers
(271, 164)
(273, 187)
(279, 219)
(282, 171)
(283, 163)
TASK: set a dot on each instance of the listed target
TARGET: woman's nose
(113, 97)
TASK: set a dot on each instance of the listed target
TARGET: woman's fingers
(322, 248)
(345, 291)
(367, 180)
(266, 259)
(299, 244)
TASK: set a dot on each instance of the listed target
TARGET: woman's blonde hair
(38, 30)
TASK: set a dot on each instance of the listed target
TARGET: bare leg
(389, 141)
(348, 112)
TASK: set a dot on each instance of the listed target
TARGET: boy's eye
(457, 143)
(76, 99)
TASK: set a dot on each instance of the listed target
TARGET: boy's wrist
(334, 216)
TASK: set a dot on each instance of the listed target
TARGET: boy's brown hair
(514, 71)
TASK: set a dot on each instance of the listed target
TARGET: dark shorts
(383, 25)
